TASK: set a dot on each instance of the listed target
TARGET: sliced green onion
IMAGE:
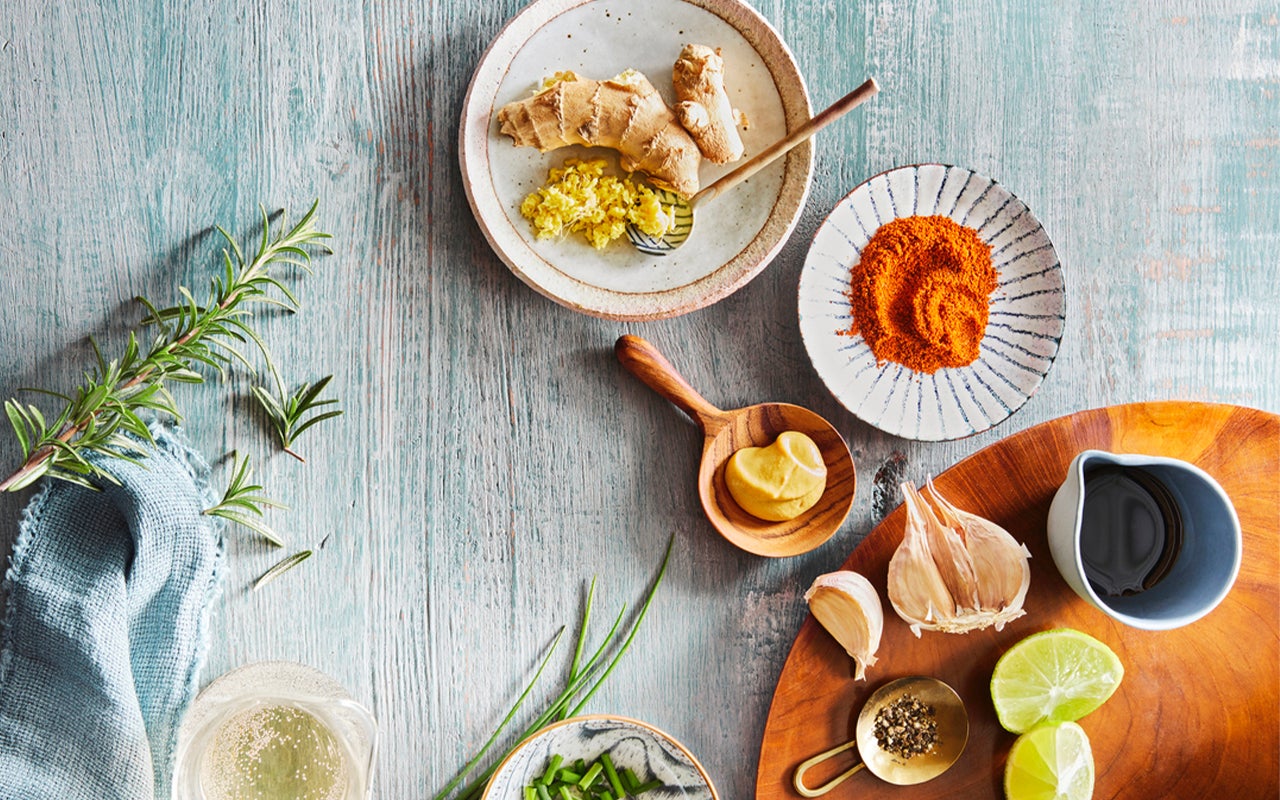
(644, 787)
(629, 778)
(592, 774)
(612, 775)
(550, 773)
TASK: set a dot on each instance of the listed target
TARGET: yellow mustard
(778, 482)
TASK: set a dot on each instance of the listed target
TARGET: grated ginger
(580, 198)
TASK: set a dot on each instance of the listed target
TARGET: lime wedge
(1052, 762)
(1053, 676)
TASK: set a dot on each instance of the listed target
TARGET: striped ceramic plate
(1028, 309)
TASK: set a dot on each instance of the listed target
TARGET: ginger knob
(703, 105)
(625, 113)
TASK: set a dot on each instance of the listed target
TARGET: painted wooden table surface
(493, 455)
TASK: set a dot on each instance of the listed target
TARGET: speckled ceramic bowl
(647, 751)
(1028, 308)
(736, 236)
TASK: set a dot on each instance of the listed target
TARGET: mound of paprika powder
(921, 293)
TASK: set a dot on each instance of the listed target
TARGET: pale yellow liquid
(274, 753)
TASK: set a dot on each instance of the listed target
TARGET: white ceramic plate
(1028, 309)
(736, 235)
(647, 751)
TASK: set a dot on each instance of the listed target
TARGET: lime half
(1053, 676)
(1052, 762)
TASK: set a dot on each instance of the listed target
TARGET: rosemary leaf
(288, 412)
(244, 496)
(281, 567)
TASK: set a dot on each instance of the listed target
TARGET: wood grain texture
(494, 455)
(1218, 677)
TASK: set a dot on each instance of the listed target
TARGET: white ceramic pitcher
(1205, 568)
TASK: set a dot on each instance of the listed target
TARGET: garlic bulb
(848, 606)
(955, 571)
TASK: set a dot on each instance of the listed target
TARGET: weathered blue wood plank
(493, 456)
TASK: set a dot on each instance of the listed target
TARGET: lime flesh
(1051, 762)
(1053, 676)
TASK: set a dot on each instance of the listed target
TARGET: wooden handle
(644, 361)
(777, 150)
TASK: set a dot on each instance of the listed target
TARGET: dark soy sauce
(1130, 530)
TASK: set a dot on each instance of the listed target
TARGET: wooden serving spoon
(683, 208)
(727, 432)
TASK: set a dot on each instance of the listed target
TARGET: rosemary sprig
(244, 498)
(99, 414)
(287, 411)
(587, 675)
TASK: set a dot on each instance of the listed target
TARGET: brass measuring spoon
(684, 208)
(725, 433)
(953, 734)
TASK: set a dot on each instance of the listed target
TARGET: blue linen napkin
(105, 630)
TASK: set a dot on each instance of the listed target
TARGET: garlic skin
(955, 571)
(954, 562)
(999, 560)
(848, 606)
(916, 587)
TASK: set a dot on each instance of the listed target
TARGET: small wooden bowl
(725, 433)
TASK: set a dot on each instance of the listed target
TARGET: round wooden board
(1196, 713)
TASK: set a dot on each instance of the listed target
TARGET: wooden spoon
(727, 432)
(684, 208)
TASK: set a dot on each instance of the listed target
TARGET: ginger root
(625, 113)
(704, 108)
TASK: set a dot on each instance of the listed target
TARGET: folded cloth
(105, 628)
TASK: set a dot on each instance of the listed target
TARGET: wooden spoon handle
(775, 151)
(644, 361)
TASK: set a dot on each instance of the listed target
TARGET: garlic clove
(1000, 561)
(917, 590)
(949, 553)
(848, 606)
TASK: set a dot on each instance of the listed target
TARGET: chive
(543, 794)
(569, 776)
(564, 793)
(612, 775)
(605, 795)
(580, 766)
(530, 793)
(480, 783)
(630, 779)
(582, 638)
(626, 643)
(591, 775)
(644, 787)
(590, 675)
